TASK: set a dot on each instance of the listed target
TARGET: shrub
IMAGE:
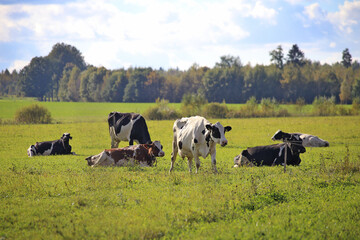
(300, 103)
(323, 106)
(342, 111)
(355, 108)
(192, 104)
(268, 107)
(282, 112)
(161, 111)
(249, 110)
(215, 110)
(33, 114)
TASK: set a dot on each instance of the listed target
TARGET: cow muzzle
(161, 154)
(89, 160)
(224, 143)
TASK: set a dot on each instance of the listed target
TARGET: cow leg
(213, 159)
(190, 164)
(173, 154)
(197, 162)
(131, 142)
(99, 159)
(244, 161)
(114, 143)
(237, 160)
(103, 158)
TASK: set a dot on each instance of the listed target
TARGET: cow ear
(208, 127)
(228, 129)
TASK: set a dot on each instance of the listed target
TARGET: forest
(63, 75)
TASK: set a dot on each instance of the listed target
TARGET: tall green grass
(60, 197)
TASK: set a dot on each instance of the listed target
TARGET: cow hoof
(236, 165)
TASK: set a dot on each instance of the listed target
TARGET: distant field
(60, 197)
(67, 112)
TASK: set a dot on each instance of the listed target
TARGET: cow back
(140, 130)
(192, 130)
(138, 153)
(265, 155)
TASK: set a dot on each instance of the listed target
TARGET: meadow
(60, 197)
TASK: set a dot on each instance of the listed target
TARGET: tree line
(63, 75)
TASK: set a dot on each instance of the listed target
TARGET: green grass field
(60, 197)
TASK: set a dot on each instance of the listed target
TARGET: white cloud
(262, 12)
(18, 65)
(104, 29)
(332, 45)
(314, 12)
(156, 33)
(347, 18)
(295, 2)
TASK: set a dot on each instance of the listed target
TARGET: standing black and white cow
(270, 155)
(306, 139)
(60, 146)
(195, 137)
(127, 127)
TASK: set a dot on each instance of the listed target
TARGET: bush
(282, 112)
(323, 106)
(33, 114)
(192, 104)
(250, 109)
(268, 108)
(161, 111)
(300, 103)
(215, 110)
(355, 109)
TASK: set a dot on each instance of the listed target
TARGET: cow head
(297, 148)
(280, 135)
(90, 160)
(217, 133)
(31, 151)
(155, 149)
(66, 137)
(291, 137)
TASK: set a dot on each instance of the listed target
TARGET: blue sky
(177, 33)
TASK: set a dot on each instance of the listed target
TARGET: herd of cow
(192, 137)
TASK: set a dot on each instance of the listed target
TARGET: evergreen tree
(296, 56)
(346, 58)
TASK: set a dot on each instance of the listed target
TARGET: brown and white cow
(142, 154)
(195, 137)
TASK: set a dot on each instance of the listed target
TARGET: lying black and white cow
(60, 146)
(127, 127)
(270, 155)
(142, 154)
(307, 139)
(195, 137)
